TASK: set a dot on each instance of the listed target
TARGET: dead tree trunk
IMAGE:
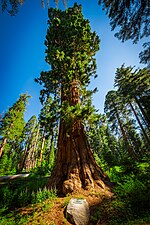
(75, 166)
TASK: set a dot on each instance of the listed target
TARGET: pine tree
(11, 128)
(135, 86)
(48, 121)
(119, 117)
(71, 47)
(102, 142)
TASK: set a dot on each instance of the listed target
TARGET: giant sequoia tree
(70, 51)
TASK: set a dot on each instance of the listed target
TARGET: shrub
(135, 194)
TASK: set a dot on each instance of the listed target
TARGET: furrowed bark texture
(75, 166)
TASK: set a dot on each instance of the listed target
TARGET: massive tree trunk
(75, 166)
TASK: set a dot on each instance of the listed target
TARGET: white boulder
(78, 211)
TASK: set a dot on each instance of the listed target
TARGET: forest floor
(105, 207)
(52, 211)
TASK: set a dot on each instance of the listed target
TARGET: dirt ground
(52, 212)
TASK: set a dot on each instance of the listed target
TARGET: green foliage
(13, 218)
(71, 47)
(103, 143)
(123, 117)
(11, 131)
(130, 203)
(113, 108)
(132, 18)
(6, 164)
(42, 195)
(145, 54)
(132, 190)
(47, 206)
(96, 216)
(10, 6)
(48, 117)
(43, 170)
(23, 192)
(52, 157)
(131, 83)
(134, 91)
(12, 123)
(135, 195)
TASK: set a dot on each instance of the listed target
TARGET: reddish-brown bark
(75, 166)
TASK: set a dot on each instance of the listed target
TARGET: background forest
(119, 138)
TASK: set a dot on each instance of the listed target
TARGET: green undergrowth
(29, 193)
(131, 202)
(23, 216)
(117, 212)
(12, 218)
(22, 192)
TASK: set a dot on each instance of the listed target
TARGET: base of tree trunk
(75, 167)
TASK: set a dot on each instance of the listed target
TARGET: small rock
(78, 211)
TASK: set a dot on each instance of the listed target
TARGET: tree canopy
(131, 18)
(145, 54)
(71, 47)
(11, 6)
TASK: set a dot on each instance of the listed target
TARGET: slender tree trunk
(27, 149)
(49, 146)
(140, 124)
(22, 163)
(35, 144)
(42, 147)
(125, 138)
(5, 140)
(75, 166)
(142, 111)
(2, 146)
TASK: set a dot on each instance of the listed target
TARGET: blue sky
(22, 53)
